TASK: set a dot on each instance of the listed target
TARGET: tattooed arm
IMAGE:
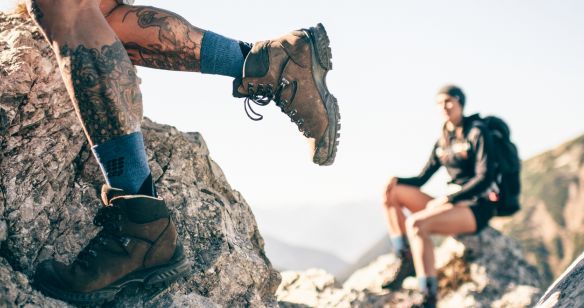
(157, 38)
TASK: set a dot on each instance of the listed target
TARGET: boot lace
(263, 94)
(110, 218)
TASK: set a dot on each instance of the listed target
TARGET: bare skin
(430, 215)
(96, 69)
(98, 42)
(157, 38)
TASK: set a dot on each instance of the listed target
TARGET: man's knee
(46, 11)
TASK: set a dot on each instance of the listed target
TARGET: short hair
(454, 91)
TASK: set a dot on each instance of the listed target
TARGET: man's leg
(103, 87)
(137, 233)
(161, 39)
(290, 70)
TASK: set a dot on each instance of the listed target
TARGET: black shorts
(483, 210)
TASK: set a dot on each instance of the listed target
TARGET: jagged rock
(566, 291)
(49, 186)
(550, 225)
(487, 270)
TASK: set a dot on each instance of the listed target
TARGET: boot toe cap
(47, 276)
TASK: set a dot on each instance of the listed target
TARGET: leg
(397, 197)
(96, 70)
(156, 38)
(446, 220)
(103, 86)
(104, 90)
(162, 39)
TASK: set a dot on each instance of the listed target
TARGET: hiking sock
(124, 164)
(428, 285)
(222, 56)
(400, 244)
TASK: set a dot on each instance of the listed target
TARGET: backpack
(508, 166)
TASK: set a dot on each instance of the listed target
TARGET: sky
(520, 60)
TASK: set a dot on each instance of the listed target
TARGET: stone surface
(487, 270)
(550, 225)
(568, 290)
(49, 184)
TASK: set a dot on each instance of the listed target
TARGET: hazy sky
(522, 60)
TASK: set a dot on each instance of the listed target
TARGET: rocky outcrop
(567, 291)
(550, 225)
(487, 270)
(49, 186)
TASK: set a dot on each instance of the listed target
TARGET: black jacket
(469, 162)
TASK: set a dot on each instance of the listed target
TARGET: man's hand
(437, 202)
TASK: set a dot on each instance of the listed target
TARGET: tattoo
(105, 86)
(35, 11)
(176, 44)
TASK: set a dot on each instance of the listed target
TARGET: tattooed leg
(103, 86)
(157, 38)
(97, 72)
(164, 40)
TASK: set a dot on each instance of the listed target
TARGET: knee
(389, 192)
(48, 11)
(416, 227)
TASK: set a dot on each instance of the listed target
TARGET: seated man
(96, 44)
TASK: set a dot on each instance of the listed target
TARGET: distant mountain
(289, 257)
(551, 222)
(345, 230)
(381, 247)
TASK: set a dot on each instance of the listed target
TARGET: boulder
(50, 182)
(567, 290)
(484, 270)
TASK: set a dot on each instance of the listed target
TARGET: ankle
(124, 163)
(428, 285)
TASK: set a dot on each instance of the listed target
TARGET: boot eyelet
(125, 241)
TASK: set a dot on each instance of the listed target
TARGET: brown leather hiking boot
(404, 270)
(137, 245)
(291, 70)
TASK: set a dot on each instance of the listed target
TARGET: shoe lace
(263, 94)
(110, 218)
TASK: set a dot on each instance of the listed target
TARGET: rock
(475, 270)
(566, 291)
(485, 270)
(49, 184)
(550, 225)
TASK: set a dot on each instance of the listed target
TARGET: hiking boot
(137, 245)
(405, 270)
(428, 301)
(291, 71)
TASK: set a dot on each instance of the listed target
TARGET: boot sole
(326, 147)
(156, 278)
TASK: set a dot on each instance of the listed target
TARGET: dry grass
(21, 9)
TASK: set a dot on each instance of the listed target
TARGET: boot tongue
(108, 193)
(257, 62)
(137, 208)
